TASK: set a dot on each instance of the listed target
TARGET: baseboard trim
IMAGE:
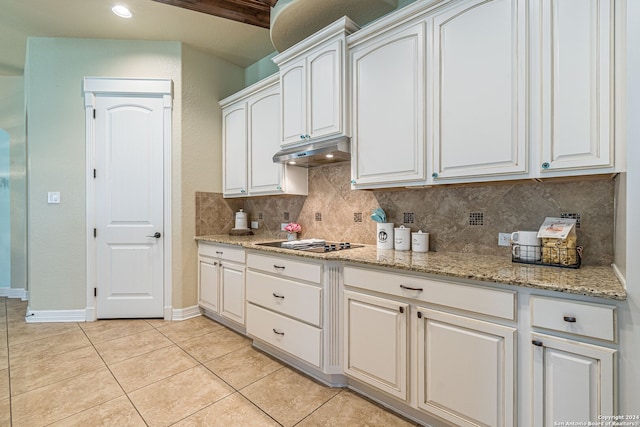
(185, 313)
(21, 293)
(50, 316)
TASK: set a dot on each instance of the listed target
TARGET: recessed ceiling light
(292, 162)
(329, 156)
(121, 11)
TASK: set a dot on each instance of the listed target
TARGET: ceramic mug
(526, 245)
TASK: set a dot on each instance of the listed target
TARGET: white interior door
(129, 206)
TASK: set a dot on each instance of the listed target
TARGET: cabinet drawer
(294, 337)
(225, 252)
(477, 299)
(579, 318)
(285, 267)
(294, 299)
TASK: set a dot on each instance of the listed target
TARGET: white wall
(56, 151)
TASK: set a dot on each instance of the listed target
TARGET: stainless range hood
(316, 153)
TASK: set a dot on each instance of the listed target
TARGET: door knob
(156, 235)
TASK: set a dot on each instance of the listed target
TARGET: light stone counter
(591, 281)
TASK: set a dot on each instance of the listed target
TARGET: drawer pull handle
(275, 331)
(409, 288)
(219, 252)
(278, 266)
(537, 343)
(569, 319)
(278, 296)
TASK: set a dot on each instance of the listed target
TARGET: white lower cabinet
(402, 337)
(221, 281)
(465, 369)
(375, 342)
(285, 303)
(572, 381)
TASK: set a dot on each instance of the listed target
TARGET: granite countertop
(594, 281)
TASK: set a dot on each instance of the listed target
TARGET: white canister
(402, 238)
(241, 220)
(420, 242)
(384, 235)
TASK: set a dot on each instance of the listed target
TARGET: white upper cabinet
(251, 136)
(234, 147)
(576, 69)
(477, 68)
(388, 98)
(312, 80)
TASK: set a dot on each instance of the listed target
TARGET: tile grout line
(114, 377)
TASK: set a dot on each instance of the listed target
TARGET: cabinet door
(388, 95)
(234, 150)
(571, 381)
(264, 141)
(577, 79)
(325, 100)
(375, 346)
(293, 109)
(208, 284)
(232, 302)
(479, 103)
(466, 369)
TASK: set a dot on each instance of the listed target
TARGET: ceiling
(239, 43)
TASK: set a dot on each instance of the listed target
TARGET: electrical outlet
(504, 239)
(254, 224)
(283, 225)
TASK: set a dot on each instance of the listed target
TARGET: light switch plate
(53, 197)
(254, 224)
(504, 239)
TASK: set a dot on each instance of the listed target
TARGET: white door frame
(94, 86)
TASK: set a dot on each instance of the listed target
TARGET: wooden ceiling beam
(253, 12)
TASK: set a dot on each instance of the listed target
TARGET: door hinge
(94, 173)
(95, 233)
(95, 292)
(94, 113)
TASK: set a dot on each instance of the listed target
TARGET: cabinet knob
(546, 165)
(301, 136)
(419, 315)
(537, 343)
(401, 309)
(278, 187)
(434, 175)
(243, 191)
(569, 319)
(353, 181)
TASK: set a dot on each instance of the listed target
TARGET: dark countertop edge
(351, 256)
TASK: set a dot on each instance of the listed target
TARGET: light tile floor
(156, 373)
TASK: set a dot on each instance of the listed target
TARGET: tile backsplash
(463, 218)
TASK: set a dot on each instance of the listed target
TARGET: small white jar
(402, 238)
(420, 242)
